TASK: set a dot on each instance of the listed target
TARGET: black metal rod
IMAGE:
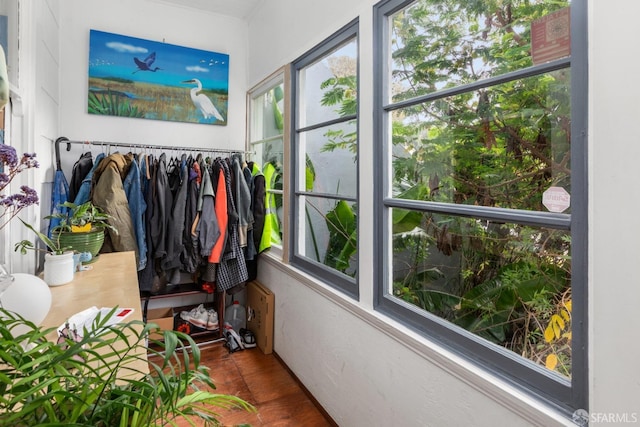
(65, 140)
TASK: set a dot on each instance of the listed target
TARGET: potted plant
(82, 227)
(58, 259)
(76, 383)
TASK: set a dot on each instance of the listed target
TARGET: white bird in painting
(203, 103)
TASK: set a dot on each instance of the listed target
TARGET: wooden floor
(263, 381)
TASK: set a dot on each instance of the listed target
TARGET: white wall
(157, 21)
(364, 369)
(614, 153)
(35, 117)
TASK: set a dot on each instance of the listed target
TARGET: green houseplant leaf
(52, 244)
(81, 382)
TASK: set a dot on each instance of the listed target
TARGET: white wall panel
(155, 21)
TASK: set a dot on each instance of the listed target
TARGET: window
(481, 121)
(324, 158)
(266, 142)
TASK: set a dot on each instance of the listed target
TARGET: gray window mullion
(524, 217)
(492, 81)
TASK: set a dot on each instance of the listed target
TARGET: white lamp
(29, 296)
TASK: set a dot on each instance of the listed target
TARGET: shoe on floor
(197, 316)
(212, 320)
(233, 342)
(248, 338)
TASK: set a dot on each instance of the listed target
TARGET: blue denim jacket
(137, 207)
(85, 188)
(59, 195)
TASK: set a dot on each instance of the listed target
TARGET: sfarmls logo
(582, 418)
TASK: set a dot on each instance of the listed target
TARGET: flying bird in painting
(203, 103)
(146, 64)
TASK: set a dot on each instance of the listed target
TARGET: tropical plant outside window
(325, 146)
(478, 132)
(266, 141)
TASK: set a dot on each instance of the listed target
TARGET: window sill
(525, 406)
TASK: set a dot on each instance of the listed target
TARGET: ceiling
(236, 8)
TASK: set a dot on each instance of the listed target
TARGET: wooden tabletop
(112, 281)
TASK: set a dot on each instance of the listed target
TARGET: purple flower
(8, 155)
(10, 205)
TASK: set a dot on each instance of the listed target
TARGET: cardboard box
(260, 306)
(163, 317)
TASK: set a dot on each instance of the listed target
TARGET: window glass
(266, 141)
(329, 234)
(328, 86)
(500, 146)
(465, 42)
(325, 149)
(505, 282)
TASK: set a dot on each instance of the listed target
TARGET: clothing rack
(221, 298)
(64, 140)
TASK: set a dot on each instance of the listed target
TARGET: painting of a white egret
(132, 77)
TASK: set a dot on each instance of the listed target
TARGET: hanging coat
(207, 230)
(258, 193)
(137, 206)
(80, 170)
(242, 196)
(176, 222)
(163, 202)
(191, 258)
(222, 215)
(232, 270)
(145, 276)
(59, 195)
(271, 231)
(84, 193)
(109, 195)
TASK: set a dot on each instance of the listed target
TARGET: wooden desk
(113, 281)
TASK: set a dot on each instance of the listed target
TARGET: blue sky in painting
(112, 55)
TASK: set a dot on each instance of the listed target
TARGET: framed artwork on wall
(132, 77)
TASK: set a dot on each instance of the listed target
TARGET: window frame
(564, 394)
(280, 76)
(331, 277)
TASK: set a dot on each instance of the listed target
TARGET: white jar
(58, 269)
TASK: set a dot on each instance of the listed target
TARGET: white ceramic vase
(58, 269)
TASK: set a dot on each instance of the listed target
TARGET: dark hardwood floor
(263, 381)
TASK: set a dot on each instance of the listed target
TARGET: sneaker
(248, 339)
(228, 331)
(212, 320)
(197, 316)
(232, 342)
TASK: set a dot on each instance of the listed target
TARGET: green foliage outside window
(496, 146)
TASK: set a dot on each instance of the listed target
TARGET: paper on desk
(85, 318)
